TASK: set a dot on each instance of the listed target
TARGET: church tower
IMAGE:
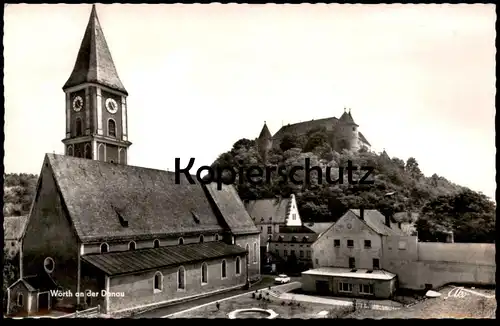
(96, 102)
(264, 142)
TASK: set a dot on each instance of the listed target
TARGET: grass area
(469, 306)
(284, 308)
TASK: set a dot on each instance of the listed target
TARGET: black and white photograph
(249, 161)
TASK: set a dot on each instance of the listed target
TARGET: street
(266, 281)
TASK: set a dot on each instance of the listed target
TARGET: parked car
(282, 279)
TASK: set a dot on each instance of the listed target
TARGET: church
(124, 238)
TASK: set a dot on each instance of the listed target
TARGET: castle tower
(348, 137)
(96, 102)
(264, 142)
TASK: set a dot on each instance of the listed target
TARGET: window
(336, 243)
(294, 216)
(352, 262)
(48, 265)
(247, 248)
(294, 239)
(216, 237)
(181, 241)
(255, 252)
(366, 289)
(70, 150)
(20, 300)
(158, 282)
(269, 229)
(277, 252)
(376, 263)
(204, 273)
(223, 269)
(181, 278)
(305, 238)
(156, 243)
(104, 247)
(111, 128)
(316, 261)
(402, 245)
(78, 126)
(345, 287)
(368, 244)
(12, 243)
(261, 228)
(285, 253)
(301, 253)
(292, 252)
(238, 265)
(350, 243)
(308, 254)
(202, 238)
(280, 238)
(131, 245)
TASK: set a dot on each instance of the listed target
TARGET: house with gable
(102, 233)
(365, 254)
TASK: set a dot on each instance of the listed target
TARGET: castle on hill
(344, 134)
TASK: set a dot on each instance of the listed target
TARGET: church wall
(92, 248)
(254, 255)
(138, 289)
(111, 153)
(91, 279)
(50, 234)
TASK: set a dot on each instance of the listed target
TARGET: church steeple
(96, 102)
(94, 63)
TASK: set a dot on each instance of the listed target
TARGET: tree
(413, 169)
(291, 141)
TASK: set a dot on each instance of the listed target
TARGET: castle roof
(265, 133)
(346, 118)
(302, 128)
(107, 201)
(269, 210)
(94, 63)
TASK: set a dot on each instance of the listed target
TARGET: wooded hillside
(398, 186)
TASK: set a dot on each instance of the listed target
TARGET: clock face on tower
(111, 105)
(77, 103)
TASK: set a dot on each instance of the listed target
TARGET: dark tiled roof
(363, 139)
(277, 208)
(14, 227)
(98, 195)
(303, 128)
(376, 221)
(232, 209)
(295, 229)
(318, 228)
(41, 283)
(94, 63)
(265, 133)
(115, 263)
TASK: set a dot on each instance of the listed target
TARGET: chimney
(362, 213)
(388, 221)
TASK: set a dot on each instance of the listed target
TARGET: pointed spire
(347, 118)
(94, 63)
(265, 133)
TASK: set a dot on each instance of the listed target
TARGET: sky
(419, 79)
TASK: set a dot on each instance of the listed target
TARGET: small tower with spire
(264, 142)
(347, 132)
(96, 102)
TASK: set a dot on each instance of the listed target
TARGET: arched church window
(78, 126)
(111, 128)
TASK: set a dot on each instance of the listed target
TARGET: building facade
(124, 238)
(13, 230)
(366, 254)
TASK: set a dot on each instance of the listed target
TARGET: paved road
(266, 281)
